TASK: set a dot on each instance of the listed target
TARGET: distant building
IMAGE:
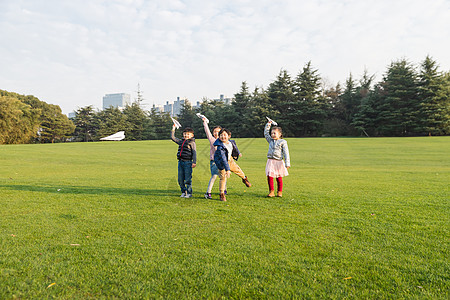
(158, 107)
(72, 115)
(116, 100)
(175, 108)
(225, 100)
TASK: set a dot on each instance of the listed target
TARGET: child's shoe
(183, 195)
(271, 194)
(279, 194)
(222, 197)
(208, 196)
(188, 196)
(246, 182)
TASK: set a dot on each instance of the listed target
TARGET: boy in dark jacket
(187, 159)
(226, 151)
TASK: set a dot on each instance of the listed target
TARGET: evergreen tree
(367, 118)
(55, 126)
(136, 118)
(335, 125)
(242, 105)
(259, 109)
(399, 110)
(86, 124)
(187, 117)
(309, 110)
(159, 125)
(281, 97)
(434, 94)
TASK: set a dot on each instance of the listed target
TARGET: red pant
(279, 183)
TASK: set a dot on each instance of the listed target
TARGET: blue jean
(185, 176)
(213, 168)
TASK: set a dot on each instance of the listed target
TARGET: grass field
(360, 218)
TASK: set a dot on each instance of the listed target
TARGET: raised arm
(172, 135)
(267, 132)
(208, 132)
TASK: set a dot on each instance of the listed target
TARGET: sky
(72, 53)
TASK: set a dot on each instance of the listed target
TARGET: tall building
(175, 108)
(116, 100)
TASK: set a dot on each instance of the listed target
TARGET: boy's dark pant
(185, 176)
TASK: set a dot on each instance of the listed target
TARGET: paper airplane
(202, 116)
(118, 136)
(273, 122)
(176, 123)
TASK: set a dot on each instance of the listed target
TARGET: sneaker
(188, 196)
(225, 192)
(279, 194)
(271, 194)
(183, 195)
(246, 182)
(208, 196)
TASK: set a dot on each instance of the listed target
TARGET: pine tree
(399, 110)
(85, 124)
(309, 109)
(434, 94)
(281, 97)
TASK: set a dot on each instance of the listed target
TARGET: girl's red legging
(279, 183)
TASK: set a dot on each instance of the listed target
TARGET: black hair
(225, 130)
(188, 129)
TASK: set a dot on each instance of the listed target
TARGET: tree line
(407, 101)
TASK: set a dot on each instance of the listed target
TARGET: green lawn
(360, 218)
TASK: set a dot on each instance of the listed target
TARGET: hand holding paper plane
(176, 123)
(273, 122)
(202, 117)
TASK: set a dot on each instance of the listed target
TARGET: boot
(222, 197)
(279, 194)
(246, 182)
(271, 194)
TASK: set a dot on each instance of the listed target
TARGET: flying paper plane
(118, 136)
(176, 123)
(202, 116)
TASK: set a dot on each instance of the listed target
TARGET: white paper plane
(202, 116)
(176, 123)
(273, 122)
(118, 136)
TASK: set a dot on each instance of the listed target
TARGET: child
(187, 159)
(226, 151)
(278, 149)
(212, 165)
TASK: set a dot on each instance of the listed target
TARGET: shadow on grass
(91, 190)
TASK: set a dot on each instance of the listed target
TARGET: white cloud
(71, 53)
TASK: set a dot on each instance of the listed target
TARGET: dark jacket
(221, 154)
(187, 149)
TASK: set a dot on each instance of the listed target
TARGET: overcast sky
(71, 53)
